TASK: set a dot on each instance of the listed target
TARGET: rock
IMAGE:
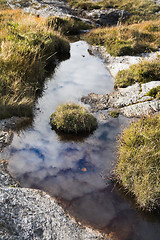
(132, 101)
(32, 214)
(5, 139)
(6, 179)
(141, 109)
(106, 17)
(96, 101)
(42, 8)
(61, 9)
(14, 123)
(115, 64)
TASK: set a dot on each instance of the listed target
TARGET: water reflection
(73, 171)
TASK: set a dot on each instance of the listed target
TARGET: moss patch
(113, 113)
(138, 168)
(154, 92)
(143, 72)
(73, 118)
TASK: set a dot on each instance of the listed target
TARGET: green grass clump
(84, 4)
(113, 113)
(73, 118)
(27, 47)
(143, 72)
(154, 92)
(138, 168)
(67, 26)
(127, 40)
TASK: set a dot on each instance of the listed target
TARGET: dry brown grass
(27, 45)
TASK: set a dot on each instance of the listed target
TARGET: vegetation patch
(143, 72)
(27, 47)
(113, 113)
(140, 9)
(154, 92)
(138, 168)
(127, 40)
(3, 4)
(73, 118)
(67, 26)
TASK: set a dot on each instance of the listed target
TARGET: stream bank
(77, 171)
(130, 101)
(47, 231)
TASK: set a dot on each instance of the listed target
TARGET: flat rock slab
(32, 214)
(131, 101)
(115, 64)
(43, 8)
(141, 109)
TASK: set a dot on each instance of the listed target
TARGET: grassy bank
(140, 9)
(127, 40)
(143, 72)
(27, 46)
(138, 168)
(67, 26)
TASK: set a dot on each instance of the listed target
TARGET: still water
(77, 171)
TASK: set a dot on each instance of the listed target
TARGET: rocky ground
(131, 101)
(61, 8)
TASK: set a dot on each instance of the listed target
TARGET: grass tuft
(27, 47)
(113, 113)
(154, 92)
(67, 26)
(73, 118)
(138, 168)
(143, 72)
(127, 40)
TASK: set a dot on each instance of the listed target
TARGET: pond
(77, 171)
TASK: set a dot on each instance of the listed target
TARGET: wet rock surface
(131, 101)
(6, 129)
(32, 214)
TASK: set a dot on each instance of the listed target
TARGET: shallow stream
(77, 171)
